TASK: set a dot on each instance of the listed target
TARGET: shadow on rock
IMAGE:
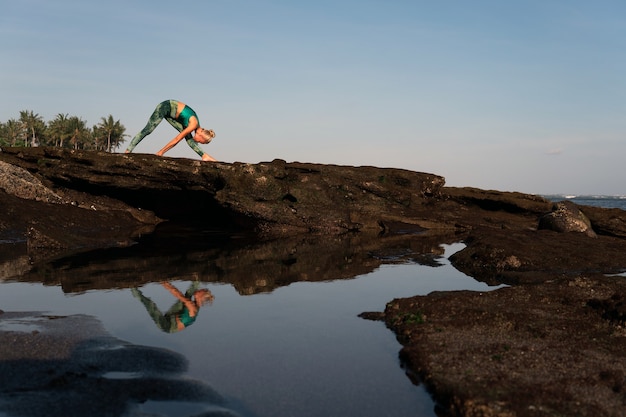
(69, 366)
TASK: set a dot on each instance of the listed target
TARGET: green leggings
(165, 110)
(167, 321)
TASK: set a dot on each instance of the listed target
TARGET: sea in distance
(606, 201)
(295, 348)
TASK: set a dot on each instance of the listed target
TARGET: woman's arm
(191, 306)
(207, 157)
(193, 125)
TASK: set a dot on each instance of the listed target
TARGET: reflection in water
(251, 267)
(70, 366)
(184, 311)
(317, 355)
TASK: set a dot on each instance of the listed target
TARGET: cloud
(555, 151)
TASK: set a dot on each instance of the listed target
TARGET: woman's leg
(162, 110)
(162, 321)
(175, 123)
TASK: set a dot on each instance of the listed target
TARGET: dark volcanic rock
(269, 198)
(556, 349)
(529, 256)
(566, 217)
(551, 345)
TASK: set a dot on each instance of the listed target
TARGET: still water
(281, 335)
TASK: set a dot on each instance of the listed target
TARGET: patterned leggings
(164, 110)
(165, 321)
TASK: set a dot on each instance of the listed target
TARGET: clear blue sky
(509, 95)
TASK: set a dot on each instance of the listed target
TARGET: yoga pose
(184, 311)
(183, 119)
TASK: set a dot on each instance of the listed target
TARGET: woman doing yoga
(183, 119)
(184, 311)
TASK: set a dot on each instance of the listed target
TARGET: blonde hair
(208, 134)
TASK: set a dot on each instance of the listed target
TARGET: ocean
(606, 201)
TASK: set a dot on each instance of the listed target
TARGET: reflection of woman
(183, 313)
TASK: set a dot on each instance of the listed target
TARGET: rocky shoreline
(551, 343)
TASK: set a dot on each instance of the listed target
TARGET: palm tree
(59, 130)
(112, 130)
(3, 135)
(11, 132)
(34, 125)
(78, 131)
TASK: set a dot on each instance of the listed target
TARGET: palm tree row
(63, 131)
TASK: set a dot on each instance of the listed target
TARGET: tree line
(63, 131)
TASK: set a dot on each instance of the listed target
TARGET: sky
(525, 96)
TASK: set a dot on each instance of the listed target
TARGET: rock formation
(270, 199)
(566, 217)
(502, 353)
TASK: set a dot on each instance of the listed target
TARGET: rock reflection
(184, 311)
(70, 366)
(249, 266)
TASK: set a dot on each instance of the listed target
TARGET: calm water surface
(282, 336)
(295, 350)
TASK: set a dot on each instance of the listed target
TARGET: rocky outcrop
(270, 199)
(21, 183)
(523, 351)
(551, 344)
(60, 200)
(566, 217)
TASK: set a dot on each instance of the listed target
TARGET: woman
(184, 311)
(183, 119)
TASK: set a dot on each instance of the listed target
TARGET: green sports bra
(186, 114)
(185, 317)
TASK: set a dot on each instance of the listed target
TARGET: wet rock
(48, 229)
(612, 309)
(516, 257)
(606, 221)
(567, 217)
(520, 351)
(70, 366)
